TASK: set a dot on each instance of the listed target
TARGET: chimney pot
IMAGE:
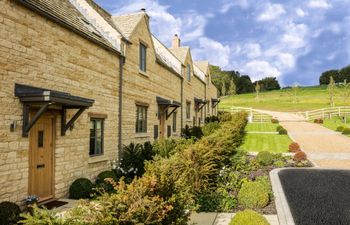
(143, 10)
(176, 41)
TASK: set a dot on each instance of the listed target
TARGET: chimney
(143, 10)
(176, 41)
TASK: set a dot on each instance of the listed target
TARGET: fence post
(307, 115)
(322, 113)
(339, 111)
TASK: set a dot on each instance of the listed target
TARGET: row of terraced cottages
(76, 84)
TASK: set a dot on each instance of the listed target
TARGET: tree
(269, 84)
(244, 85)
(325, 76)
(223, 89)
(232, 90)
(344, 74)
(257, 90)
(346, 90)
(331, 91)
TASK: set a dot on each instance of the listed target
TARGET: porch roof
(167, 102)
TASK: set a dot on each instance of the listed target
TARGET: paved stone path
(326, 148)
(222, 218)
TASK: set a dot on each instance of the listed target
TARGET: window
(141, 119)
(188, 72)
(188, 110)
(96, 136)
(143, 54)
(174, 121)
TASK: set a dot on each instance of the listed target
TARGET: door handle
(40, 166)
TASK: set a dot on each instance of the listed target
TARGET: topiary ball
(104, 175)
(265, 158)
(346, 131)
(248, 217)
(283, 131)
(253, 195)
(278, 128)
(340, 129)
(274, 120)
(9, 213)
(300, 156)
(80, 188)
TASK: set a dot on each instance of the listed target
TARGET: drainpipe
(120, 110)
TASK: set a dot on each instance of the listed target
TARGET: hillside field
(307, 98)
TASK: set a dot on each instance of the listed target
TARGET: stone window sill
(97, 159)
(142, 135)
(145, 74)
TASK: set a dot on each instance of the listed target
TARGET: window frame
(143, 129)
(188, 72)
(95, 119)
(142, 57)
(188, 110)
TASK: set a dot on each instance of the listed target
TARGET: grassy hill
(308, 98)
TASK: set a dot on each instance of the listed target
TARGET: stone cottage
(76, 84)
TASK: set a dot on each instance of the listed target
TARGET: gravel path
(326, 148)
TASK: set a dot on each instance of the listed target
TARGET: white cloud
(321, 4)
(301, 12)
(215, 52)
(285, 61)
(258, 69)
(228, 4)
(271, 12)
(295, 35)
(252, 50)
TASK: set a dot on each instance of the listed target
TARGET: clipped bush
(224, 116)
(279, 164)
(299, 156)
(80, 189)
(9, 213)
(282, 131)
(248, 217)
(274, 120)
(346, 131)
(210, 128)
(253, 195)
(265, 158)
(294, 147)
(104, 175)
(319, 121)
(278, 128)
(340, 129)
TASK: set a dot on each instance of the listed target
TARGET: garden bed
(317, 197)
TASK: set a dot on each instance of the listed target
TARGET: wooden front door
(41, 163)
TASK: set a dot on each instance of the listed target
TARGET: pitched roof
(100, 20)
(64, 12)
(180, 53)
(202, 65)
(198, 72)
(166, 56)
(127, 23)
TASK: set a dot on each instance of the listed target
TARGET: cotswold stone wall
(144, 87)
(199, 92)
(35, 51)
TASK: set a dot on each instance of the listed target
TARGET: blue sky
(294, 40)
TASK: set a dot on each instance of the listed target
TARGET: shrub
(274, 120)
(278, 128)
(346, 131)
(253, 195)
(283, 131)
(300, 156)
(224, 116)
(279, 164)
(294, 147)
(265, 181)
(9, 213)
(210, 128)
(80, 188)
(248, 217)
(164, 147)
(265, 158)
(102, 183)
(193, 132)
(211, 119)
(319, 120)
(340, 129)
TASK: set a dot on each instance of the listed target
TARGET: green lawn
(266, 142)
(336, 122)
(261, 127)
(308, 98)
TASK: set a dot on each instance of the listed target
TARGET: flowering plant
(31, 199)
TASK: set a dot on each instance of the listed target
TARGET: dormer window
(143, 54)
(188, 72)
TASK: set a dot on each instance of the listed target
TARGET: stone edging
(284, 215)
